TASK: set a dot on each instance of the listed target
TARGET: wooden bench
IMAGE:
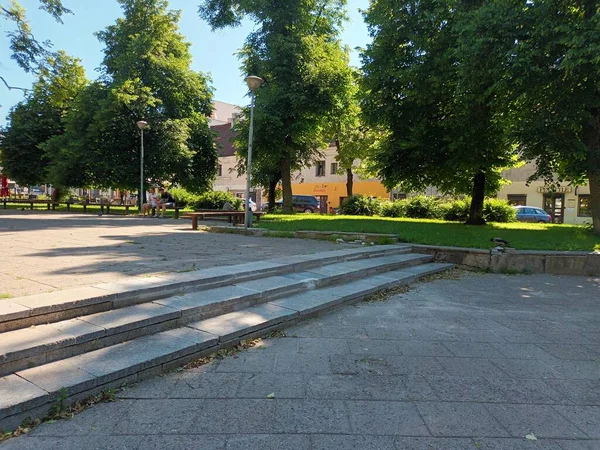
(235, 216)
(30, 202)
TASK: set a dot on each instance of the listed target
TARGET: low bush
(183, 197)
(359, 205)
(423, 207)
(396, 208)
(456, 210)
(495, 210)
(216, 200)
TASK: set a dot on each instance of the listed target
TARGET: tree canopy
(296, 50)
(39, 117)
(435, 80)
(145, 75)
(29, 53)
(556, 116)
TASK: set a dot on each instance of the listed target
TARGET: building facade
(568, 204)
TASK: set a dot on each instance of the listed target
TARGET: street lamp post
(141, 125)
(253, 83)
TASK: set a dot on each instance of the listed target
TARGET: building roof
(224, 138)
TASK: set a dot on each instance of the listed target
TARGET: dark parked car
(300, 203)
(532, 214)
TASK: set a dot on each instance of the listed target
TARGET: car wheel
(308, 210)
(542, 221)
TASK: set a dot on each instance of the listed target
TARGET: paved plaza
(464, 361)
(477, 362)
(45, 252)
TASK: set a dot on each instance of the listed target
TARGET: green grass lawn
(522, 236)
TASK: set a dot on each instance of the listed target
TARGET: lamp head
(254, 82)
(142, 124)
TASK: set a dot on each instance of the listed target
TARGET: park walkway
(477, 362)
(45, 252)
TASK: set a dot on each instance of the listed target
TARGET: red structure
(4, 191)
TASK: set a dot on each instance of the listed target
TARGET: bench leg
(176, 215)
(194, 222)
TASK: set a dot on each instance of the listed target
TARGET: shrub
(423, 207)
(456, 210)
(359, 205)
(396, 208)
(183, 197)
(495, 210)
(216, 200)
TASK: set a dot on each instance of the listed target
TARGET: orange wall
(334, 191)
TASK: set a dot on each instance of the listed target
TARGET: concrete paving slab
(330, 381)
(541, 420)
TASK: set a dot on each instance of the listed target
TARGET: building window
(584, 209)
(398, 196)
(220, 170)
(320, 172)
(517, 199)
(334, 168)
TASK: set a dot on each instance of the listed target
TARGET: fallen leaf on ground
(531, 437)
(271, 395)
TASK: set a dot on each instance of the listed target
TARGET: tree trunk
(272, 190)
(349, 181)
(286, 183)
(476, 211)
(591, 139)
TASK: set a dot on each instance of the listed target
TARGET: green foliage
(183, 197)
(423, 207)
(38, 118)
(29, 53)
(435, 82)
(295, 48)
(556, 114)
(145, 74)
(495, 210)
(397, 208)
(216, 200)
(456, 210)
(359, 205)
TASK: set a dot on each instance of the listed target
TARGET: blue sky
(212, 52)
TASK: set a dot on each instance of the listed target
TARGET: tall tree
(32, 122)
(435, 80)
(354, 140)
(29, 53)
(558, 112)
(295, 48)
(145, 75)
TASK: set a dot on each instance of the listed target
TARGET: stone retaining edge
(525, 261)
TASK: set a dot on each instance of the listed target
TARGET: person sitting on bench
(152, 203)
(165, 201)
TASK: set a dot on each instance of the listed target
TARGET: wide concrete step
(29, 347)
(60, 305)
(30, 392)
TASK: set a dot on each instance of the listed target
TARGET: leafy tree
(145, 75)
(36, 119)
(296, 50)
(354, 140)
(557, 115)
(435, 80)
(29, 53)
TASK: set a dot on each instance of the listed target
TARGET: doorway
(554, 204)
(323, 204)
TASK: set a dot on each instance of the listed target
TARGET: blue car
(532, 214)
